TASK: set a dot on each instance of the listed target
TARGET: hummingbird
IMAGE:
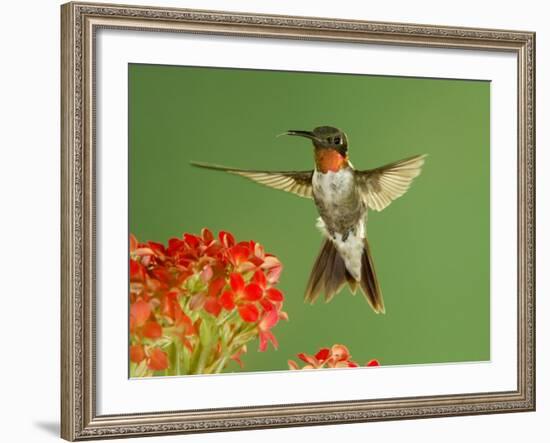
(343, 195)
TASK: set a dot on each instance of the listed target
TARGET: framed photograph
(277, 221)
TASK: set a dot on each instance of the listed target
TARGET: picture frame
(82, 242)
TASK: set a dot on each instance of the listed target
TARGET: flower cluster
(336, 357)
(196, 303)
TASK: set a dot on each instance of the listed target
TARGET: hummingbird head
(331, 147)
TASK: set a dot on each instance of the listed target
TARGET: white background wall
(29, 218)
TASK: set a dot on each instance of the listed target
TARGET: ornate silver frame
(80, 21)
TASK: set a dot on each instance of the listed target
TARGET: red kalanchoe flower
(268, 321)
(237, 356)
(337, 356)
(158, 360)
(200, 288)
(316, 361)
(242, 296)
(137, 353)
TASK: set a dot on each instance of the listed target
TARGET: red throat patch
(329, 160)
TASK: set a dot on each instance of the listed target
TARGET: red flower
(226, 239)
(268, 321)
(158, 360)
(336, 357)
(152, 330)
(340, 353)
(316, 361)
(237, 356)
(137, 353)
(174, 290)
(243, 296)
(139, 314)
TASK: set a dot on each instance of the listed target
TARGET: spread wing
(380, 186)
(296, 182)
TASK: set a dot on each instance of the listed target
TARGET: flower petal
(162, 275)
(237, 356)
(239, 253)
(373, 362)
(259, 278)
(212, 306)
(207, 236)
(137, 354)
(323, 354)
(249, 313)
(133, 244)
(206, 274)
(265, 338)
(253, 292)
(157, 248)
(216, 286)
(140, 311)
(175, 245)
(269, 320)
(263, 341)
(158, 360)
(270, 261)
(274, 295)
(309, 359)
(259, 251)
(340, 352)
(226, 239)
(292, 365)
(227, 300)
(237, 282)
(267, 305)
(137, 271)
(143, 251)
(274, 274)
(192, 240)
(152, 330)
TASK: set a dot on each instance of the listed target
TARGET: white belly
(333, 187)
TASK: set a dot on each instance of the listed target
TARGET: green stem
(177, 347)
(195, 358)
(203, 358)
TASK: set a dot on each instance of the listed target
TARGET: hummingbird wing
(295, 182)
(380, 186)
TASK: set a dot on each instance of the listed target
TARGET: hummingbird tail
(369, 282)
(329, 274)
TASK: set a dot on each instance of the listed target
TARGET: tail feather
(336, 279)
(352, 283)
(369, 282)
(329, 274)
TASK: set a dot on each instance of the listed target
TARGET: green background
(431, 246)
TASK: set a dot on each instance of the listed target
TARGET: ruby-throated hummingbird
(342, 195)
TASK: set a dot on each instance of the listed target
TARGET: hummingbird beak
(307, 134)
